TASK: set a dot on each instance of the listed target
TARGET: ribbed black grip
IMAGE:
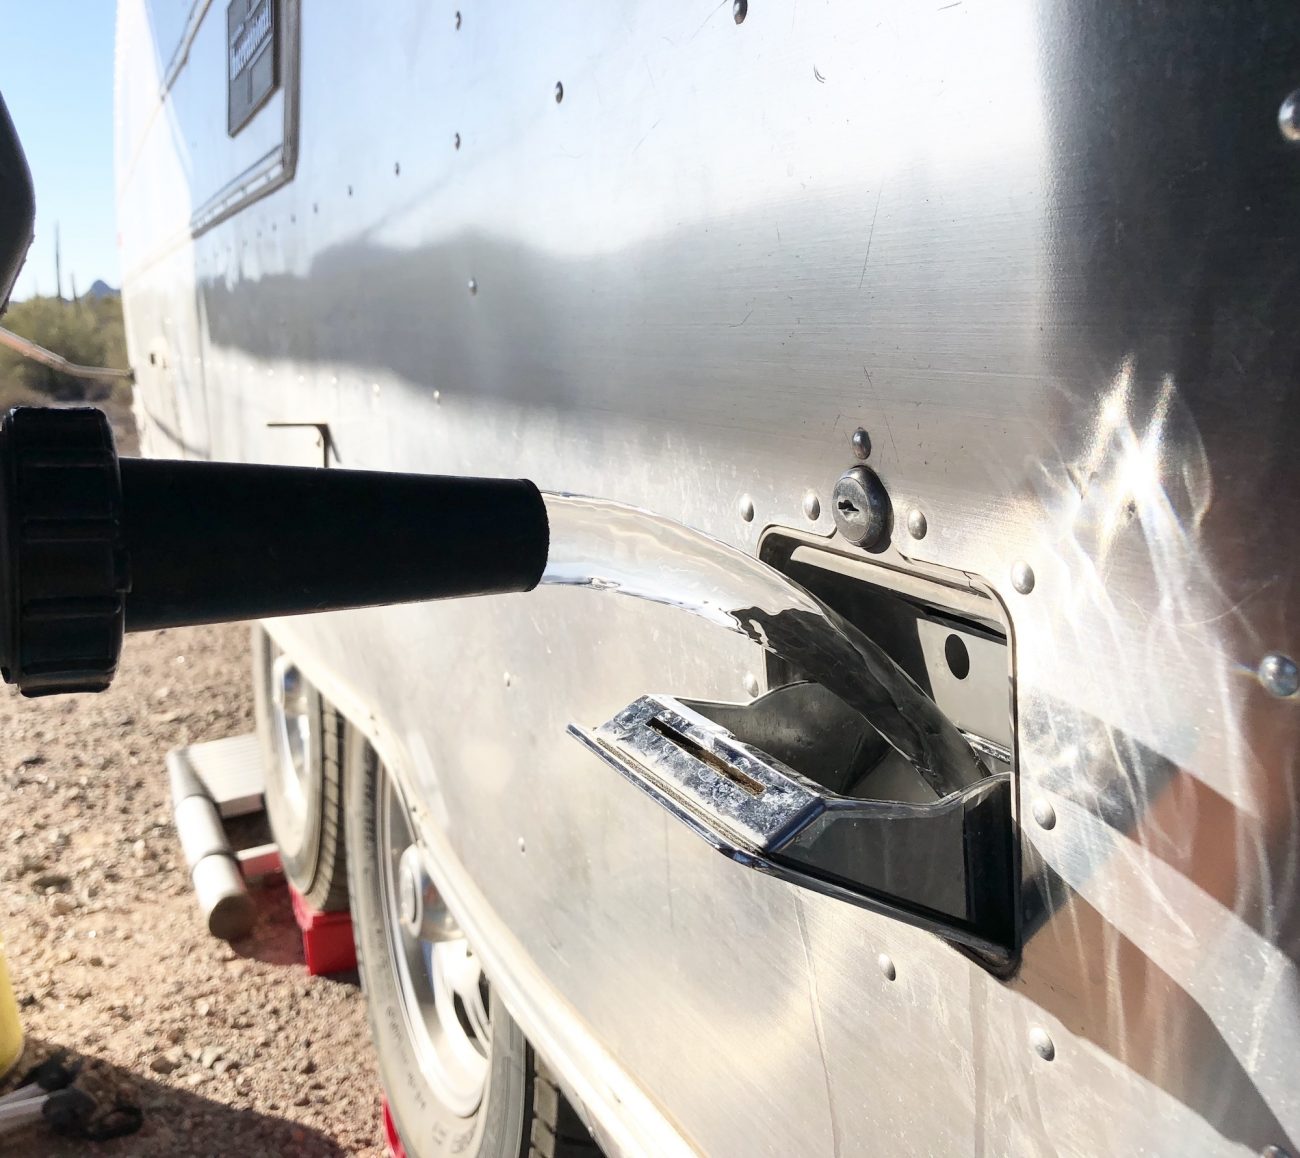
(64, 578)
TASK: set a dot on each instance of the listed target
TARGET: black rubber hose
(210, 542)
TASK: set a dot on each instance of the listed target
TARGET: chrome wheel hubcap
(444, 996)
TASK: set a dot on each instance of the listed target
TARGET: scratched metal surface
(1046, 255)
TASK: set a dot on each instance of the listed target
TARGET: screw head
(747, 508)
(473, 286)
(559, 92)
(886, 963)
(1022, 577)
(1279, 675)
(522, 846)
(861, 509)
(1288, 117)
(812, 506)
(457, 21)
(1042, 1044)
(1044, 814)
(455, 141)
(916, 524)
(739, 10)
(861, 443)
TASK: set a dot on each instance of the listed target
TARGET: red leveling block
(327, 943)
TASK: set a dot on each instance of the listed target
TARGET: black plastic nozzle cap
(63, 572)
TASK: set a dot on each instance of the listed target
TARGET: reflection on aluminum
(606, 546)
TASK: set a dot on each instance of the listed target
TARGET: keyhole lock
(861, 508)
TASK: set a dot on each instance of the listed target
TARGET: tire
(305, 808)
(520, 1112)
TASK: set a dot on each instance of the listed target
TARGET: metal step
(231, 772)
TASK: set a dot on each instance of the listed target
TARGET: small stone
(175, 1034)
(95, 960)
(203, 1008)
(209, 1056)
(196, 1078)
(307, 1067)
(221, 1065)
(167, 1062)
(140, 850)
(57, 882)
(62, 905)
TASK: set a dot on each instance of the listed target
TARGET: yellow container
(11, 1029)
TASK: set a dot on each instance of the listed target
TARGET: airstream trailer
(900, 756)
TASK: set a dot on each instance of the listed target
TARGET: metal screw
(1278, 673)
(473, 286)
(812, 505)
(916, 524)
(457, 21)
(747, 508)
(1288, 117)
(456, 140)
(861, 442)
(1022, 577)
(522, 846)
(739, 10)
(1042, 1043)
(507, 679)
(861, 507)
(886, 963)
(751, 683)
(559, 92)
(397, 168)
(1044, 814)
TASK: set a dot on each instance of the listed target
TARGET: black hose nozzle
(92, 545)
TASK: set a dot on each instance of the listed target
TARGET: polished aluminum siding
(1046, 254)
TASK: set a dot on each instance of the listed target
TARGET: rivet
(751, 683)
(861, 442)
(437, 397)
(507, 679)
(397, 168)
(1042, 1043)
(559, 92)
(374, 389)
(1044, 814)
(456, 141)
(1022, 577)
(812, 505)
(457, 21)
(1288, 117)
(522, 847)
(473, 286)
(739, 10)
(916, 524)
(747, 508)
(1279, 675)
(886, 963)
(349, 190)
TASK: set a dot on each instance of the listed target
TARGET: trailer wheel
(301, 738)
(459, 1075)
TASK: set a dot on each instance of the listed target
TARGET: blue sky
(56, 74)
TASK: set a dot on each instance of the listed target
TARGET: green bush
(88, 331)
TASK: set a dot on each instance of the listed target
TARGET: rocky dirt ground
(227, 1049)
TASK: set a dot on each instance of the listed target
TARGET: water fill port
(877, 767)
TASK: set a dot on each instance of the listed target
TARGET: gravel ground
(228, 1050)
